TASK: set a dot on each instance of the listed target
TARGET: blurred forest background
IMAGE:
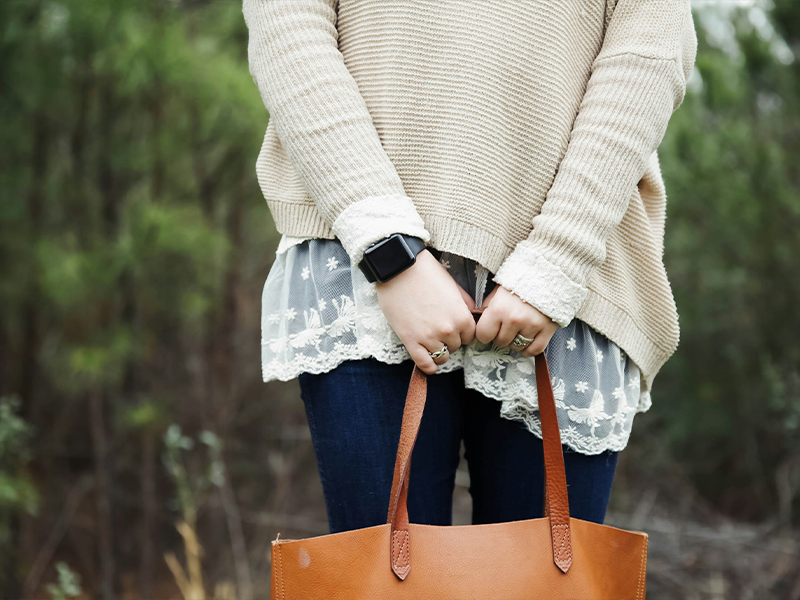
(141, 456)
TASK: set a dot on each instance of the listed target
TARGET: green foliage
(129, 132)
(729, 401)
(191, 488)
(130, 219)
(16, 488)
(15, 433)
(68, 585)
(18, 492)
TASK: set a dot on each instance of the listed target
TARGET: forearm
(630, 97)
(323, 122)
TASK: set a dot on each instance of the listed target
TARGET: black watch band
(390, 256)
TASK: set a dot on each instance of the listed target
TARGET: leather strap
(556, 499)
(398, 509)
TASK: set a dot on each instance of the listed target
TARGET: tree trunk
(148, 486)
(105, 547)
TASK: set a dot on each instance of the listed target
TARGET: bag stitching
(640, 591)
(399, 551)
(560, 550)
(275, 569)
(403, 547)
(280, 568)
(559, 554)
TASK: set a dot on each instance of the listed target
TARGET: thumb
(467, 298)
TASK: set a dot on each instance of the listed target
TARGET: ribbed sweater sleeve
(324, 124)
(637, 81)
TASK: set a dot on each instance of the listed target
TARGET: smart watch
(390, 256)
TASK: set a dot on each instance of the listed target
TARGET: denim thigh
(354, 414)
(506, 466)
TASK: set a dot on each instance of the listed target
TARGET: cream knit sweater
(519, 133)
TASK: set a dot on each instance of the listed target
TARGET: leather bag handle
(556, 499)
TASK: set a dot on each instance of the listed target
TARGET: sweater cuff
(367, 221)
(540, 283)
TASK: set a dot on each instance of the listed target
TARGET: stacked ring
(521, 341)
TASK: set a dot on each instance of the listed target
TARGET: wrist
(422, 261)
(530, 276)
(390, 256)
(372, 219)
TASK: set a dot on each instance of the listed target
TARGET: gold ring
(521, 341)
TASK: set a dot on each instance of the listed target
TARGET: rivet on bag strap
(556, 498)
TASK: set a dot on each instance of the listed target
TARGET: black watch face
(390, 257)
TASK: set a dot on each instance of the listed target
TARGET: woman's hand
(427, 308)
(505, 315)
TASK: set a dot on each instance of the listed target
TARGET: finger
(531, 349)
(466, 330)
(467, 298)
(422, 359)
(506, 334)
(442, 359)
(453, 340)
(461, 333)
(529, 331)
(487, 327)
(435, 346)
(538, 345)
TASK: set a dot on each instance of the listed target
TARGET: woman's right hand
(426, 308)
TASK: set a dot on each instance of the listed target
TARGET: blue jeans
(354, 415)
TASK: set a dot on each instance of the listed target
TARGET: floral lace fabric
(318, 310)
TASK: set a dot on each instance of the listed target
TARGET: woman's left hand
(505, 315)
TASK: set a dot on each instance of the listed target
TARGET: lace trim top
(319, 310)
(522, 135)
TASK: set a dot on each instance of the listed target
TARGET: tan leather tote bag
(552, 557)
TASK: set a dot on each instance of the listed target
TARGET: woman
(425, 160)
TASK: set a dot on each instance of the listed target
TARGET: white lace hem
(319, 311)
(515, 405)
